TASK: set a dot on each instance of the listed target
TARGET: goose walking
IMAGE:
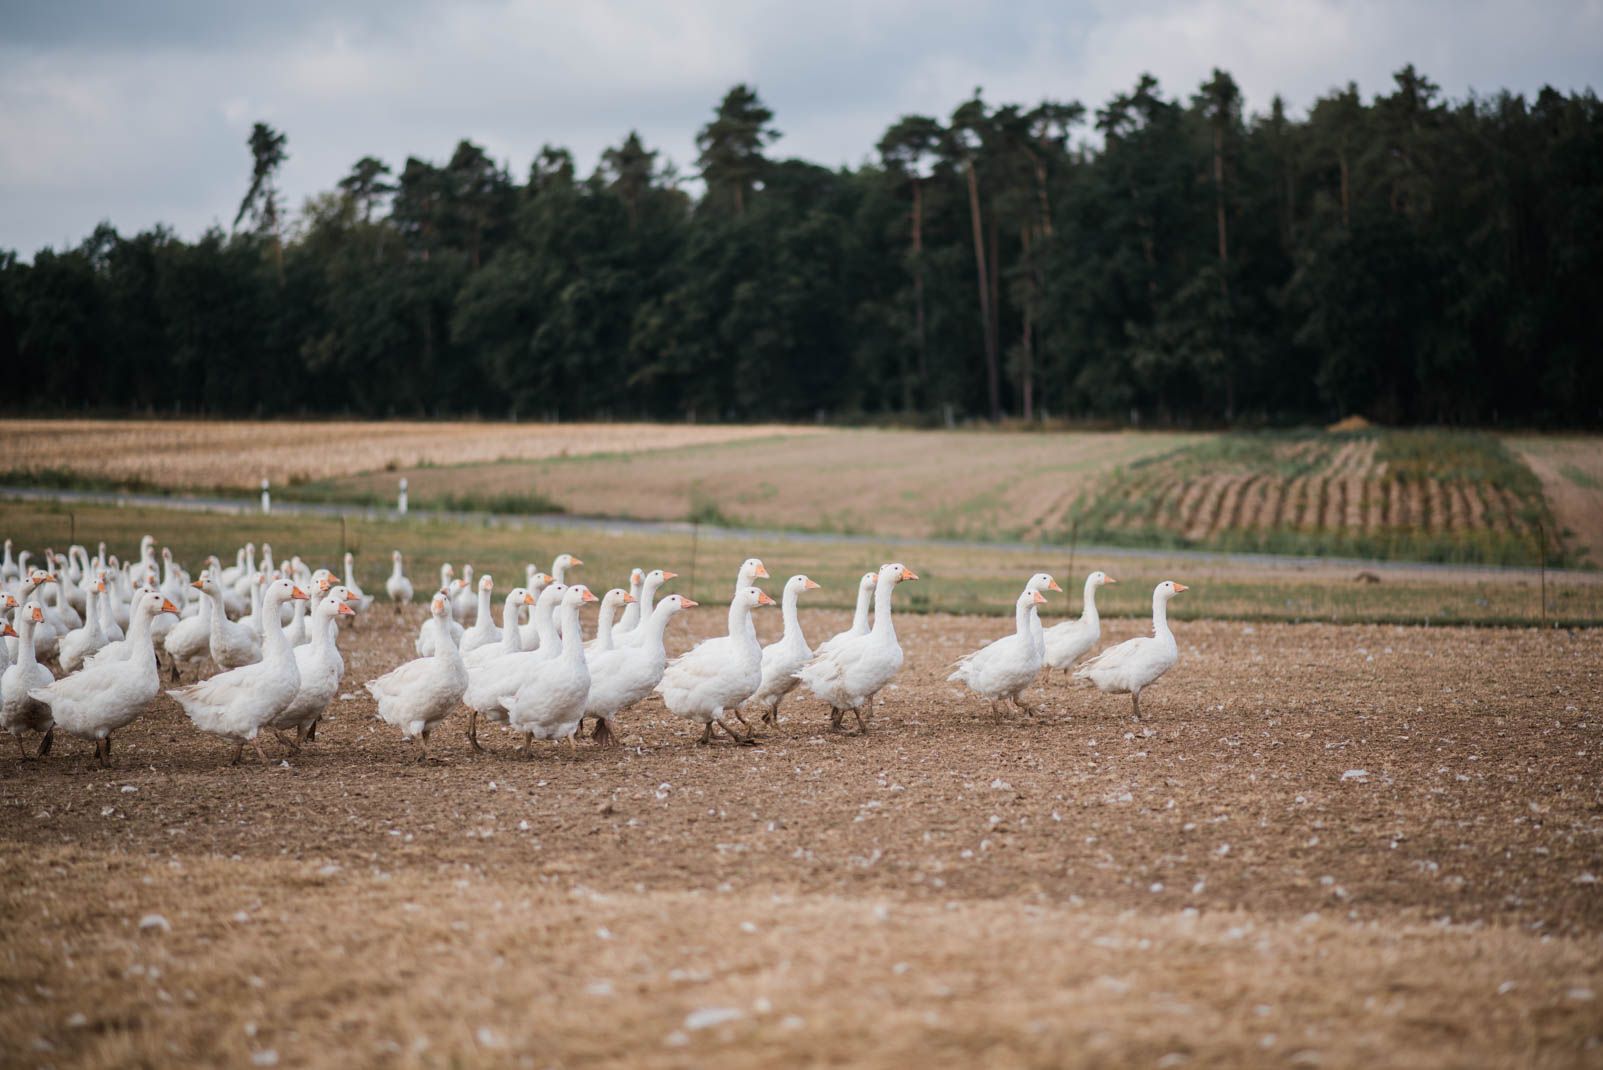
(865, 602)
(19, 711)
(782, 659)
(624, 675)
(1135, 664)
(1070, 640)
(650, 584)
(398, 587)
(1000, 670)
(419, 694)
(849, 676)
(718, 674)
(319, 667)
(550, 702)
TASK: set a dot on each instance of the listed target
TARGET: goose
(550, 702)
(417, 695)
(464, 606)
(865, 598)
(67, 617)
(604, 619)
(624, 675)
(295, 634)
(246, 579)
(398, 587)
(1041, 583)
(511, 635)
(363, 599)
(46, 637)
(94, 703)
(49, 598)
(649, 586)
(1068, 641)
(1003, 668)
(484, 633)
(19, 711)
(849, 676)
(751, 570)
(232, 644)
(78, 645)
(1136, 664)
(229, 576)
(320, 668)
(133, 644)
(631, 612)
(782, 659)
(529, 638)
(239, 703)
(492, 679)
(718, 674)
(560, 565)
(189, 642)
(8, 566)
(424, 644)
(110, 606)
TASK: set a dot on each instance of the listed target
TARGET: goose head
(519, 596)
(323, 580)
(576, 595)
(895, 572)
(280, 591)
(486, 583)
(344, 594)
(1042, 581)
(551, 594)
(615, 598)
(395, 556)
(752, 597)
(563, 562)
(798, 584)
(655, 579)
(1098, 579)
(440, 607)
(751, 569)
(335, 605)
(1168, 589)
(674, 603)
(1030, 598)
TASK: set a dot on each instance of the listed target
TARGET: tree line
(1160, 260)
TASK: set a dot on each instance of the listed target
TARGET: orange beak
(7, 629)
(1038, 598)
(670, 575)
(589, 596)
(1180, 587)
(690, 603)
(343, 610)
(763, 599)
(324, 584)
(762, 571)
(1053, 586)
(541, 577)
(168, 607)
(528, 599)
(38, 615)
(50, 577)
(574, 562)
(627, 598)
(350, 596)
(1109, 579)
(199, 585)
(100, 587)
(809, 585)
(297, 593)
(908, 574)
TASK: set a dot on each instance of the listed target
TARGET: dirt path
(1326, 846)
(1571, 471)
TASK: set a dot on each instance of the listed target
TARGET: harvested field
(1331, 846)
(1571, 470)
(1382, 494)
(238, 454)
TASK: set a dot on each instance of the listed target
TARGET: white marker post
(267, 499)
(400, 501)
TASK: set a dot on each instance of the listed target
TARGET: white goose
(511, 635)
(550, 702)
(650, 584)
(491, 680)
(1041, 583)
(465, 603)
(419, 694)
(604, 620)
(865, 600)
(529, 637)
(849, 676)
(751, 570)
(19, 711)
(718, 674)
(484, 633)
(1070, 640)
(363, 599)
(320, 668)
(1136, 664)
(79, 645)
(46, 637)
(560, 565)
(239, 703)
(624, 675)
(1003, 668)
(232, 644)
(631, 612)
(784, 658)
(425, 643)
(189, 642)
(398, 587)
(94, 703)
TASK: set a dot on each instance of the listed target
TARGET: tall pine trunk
(993, 384)
(918, 289)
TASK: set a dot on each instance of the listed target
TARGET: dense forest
(1158, 260)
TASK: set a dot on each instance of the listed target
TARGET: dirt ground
(1325, 846)
(1571, 470)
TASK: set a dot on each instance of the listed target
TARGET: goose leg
(573, 743)
(103, 752)
(862, 725)
(423, 746)
(836, 715)
(706, 736)
(311, 729)
(745, 741)
(22, 752)
(44, 744)
(256, 745)
(742, 721)
(1135, 701)
(473, 730)
(603, 734)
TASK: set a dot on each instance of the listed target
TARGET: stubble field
(1325, 846)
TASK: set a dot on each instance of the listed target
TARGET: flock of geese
(270, 630)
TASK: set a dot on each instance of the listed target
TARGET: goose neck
(788, 608)
(882, 609)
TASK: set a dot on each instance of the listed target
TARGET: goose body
(865, 602)
(95, 702)
(784, 658)
(624, 675)
(419, 694)
(1135, 664)
(718, 674)
(398, 587)
(425, 644)
(550, 703)
(1005, 667)
(511, 641)
(239, 703)
(77, 646)
(19, 711)
(189, 641)
(318, 665)
(1071, 640)
(491, 680)
(232, 644)
(484, 633)
(852, 673)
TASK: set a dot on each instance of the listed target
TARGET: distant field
(238, 454)
(1571, 470)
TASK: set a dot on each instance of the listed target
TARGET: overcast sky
(137, 112)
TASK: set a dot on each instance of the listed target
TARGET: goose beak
(627, 598)
(528, 599)
(100, 588)
(1053, 586)
(343, 610)
(763, 599)
(689, 603)
(574, 562)
(1180, 587)
(297, 593)
(589, 596)
(168, 607)
(199, 585)
(809, 585)
(1038, 598)
(670, 575)
(350, 596)
(762, 571)
(1109, 579)
(908, 574)
(8, 630)
(324, 584)
(38, 615)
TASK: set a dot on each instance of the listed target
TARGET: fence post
(1541, 564)
(400, 501)
(267, 498)
(695, 528)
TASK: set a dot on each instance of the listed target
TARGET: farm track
(1325, 846)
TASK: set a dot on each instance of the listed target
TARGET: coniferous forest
(1154, 259)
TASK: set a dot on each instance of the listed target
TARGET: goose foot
(311, 730)
(256, 745)
(22, 752)
(239, 751)
(293, 745)
(744, 723)
(473, 731)
(602, 734)
(44, 744)
(862, 725)
(835, 718)
(706, 736)
(103, 752)
(747, 740)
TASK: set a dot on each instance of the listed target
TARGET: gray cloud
(138, 113)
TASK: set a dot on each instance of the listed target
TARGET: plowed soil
(1324, 846)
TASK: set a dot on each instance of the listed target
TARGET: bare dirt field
(1326, 846)
(1571, 470)
(238, 454)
